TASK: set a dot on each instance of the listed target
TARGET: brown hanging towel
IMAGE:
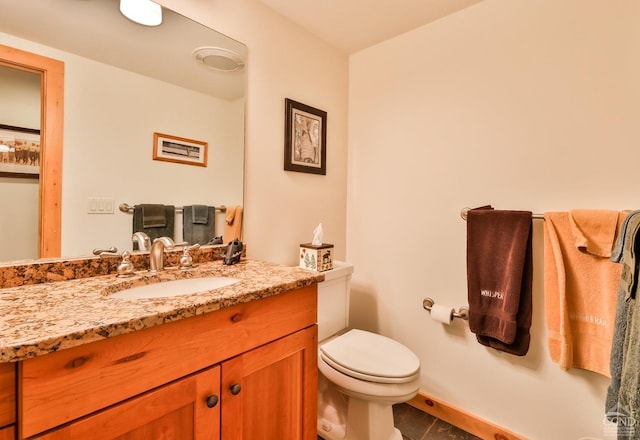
(499, 278)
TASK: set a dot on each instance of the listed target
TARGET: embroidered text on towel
(597, 320)
(492, 294)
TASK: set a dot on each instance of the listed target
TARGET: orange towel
(233, 224)
(581, 285)
(594, 231)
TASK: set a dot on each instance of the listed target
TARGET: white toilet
(362, 374)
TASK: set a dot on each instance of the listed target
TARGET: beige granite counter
(42, 318)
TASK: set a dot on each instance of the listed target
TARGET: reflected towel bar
(464, 211)
(124, 207)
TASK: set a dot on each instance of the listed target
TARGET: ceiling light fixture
(217, 58)
(144, 12)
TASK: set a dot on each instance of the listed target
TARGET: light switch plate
(100, 206)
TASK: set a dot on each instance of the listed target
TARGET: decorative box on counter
(316, 257)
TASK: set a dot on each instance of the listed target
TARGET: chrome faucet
(156, 260)
(144, 242)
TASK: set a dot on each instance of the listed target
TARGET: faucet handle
(102, 253)
(186, 261)
(125, 268)
(111, 251)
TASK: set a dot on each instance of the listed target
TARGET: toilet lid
(370, 356)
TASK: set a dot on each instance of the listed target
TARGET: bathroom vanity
(239, 362)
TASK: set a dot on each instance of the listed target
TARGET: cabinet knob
(212, 401)
(235, 388)
(236, 317)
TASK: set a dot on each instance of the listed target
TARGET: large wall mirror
(123, 82)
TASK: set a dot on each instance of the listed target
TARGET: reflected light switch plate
(100, 206)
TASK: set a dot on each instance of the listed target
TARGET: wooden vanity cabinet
(244, 372)
(7, 401)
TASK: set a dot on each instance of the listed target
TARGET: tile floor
(417, 425)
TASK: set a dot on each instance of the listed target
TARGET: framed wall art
(179, 150)
(305, 138)
(19, 151)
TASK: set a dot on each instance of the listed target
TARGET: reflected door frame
(52, 99)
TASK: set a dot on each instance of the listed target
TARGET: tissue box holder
(316, 257)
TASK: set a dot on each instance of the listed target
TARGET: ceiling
(353, 25)
(97, 30)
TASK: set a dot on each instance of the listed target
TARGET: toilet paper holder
(462, 313)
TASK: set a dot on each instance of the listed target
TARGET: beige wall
(20, 91)
(520, 104)
(282, 208)
(19, 219)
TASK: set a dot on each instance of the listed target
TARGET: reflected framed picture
(179, 150)
(305, 138)
(19, 151)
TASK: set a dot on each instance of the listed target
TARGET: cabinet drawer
(7, 394)
(62, 386)
(178, 410)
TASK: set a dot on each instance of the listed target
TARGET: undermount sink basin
(186, 286)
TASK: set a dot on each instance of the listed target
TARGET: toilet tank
(333, 300)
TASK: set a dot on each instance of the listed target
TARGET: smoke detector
(217, 58)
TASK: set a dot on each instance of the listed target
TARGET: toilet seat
(371, 357)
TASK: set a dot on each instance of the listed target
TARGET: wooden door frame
(51, 72)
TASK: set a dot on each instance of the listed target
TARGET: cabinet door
(7, 433)
(271, 392)
(185, 409)
(7, 394)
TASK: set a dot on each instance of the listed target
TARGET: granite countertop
(44, 318)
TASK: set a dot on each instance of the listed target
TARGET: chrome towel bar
(125, 207)
(465, 211)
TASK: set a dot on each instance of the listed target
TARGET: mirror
(41, 199)
(21, 98)
(119, 89)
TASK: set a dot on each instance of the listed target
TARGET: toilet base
(366, 420)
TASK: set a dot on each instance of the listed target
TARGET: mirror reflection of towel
(199, 214)
(153, 216)
(233, 224)
(198, 224)
(154, 220)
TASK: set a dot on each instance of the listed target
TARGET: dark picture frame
(177, 149)
(305, 138)
(19, 151)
